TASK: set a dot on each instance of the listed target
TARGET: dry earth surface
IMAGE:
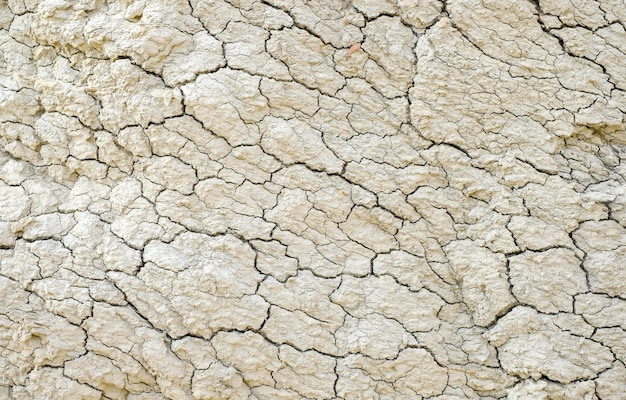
(312, 199)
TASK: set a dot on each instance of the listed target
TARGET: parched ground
(312, 199)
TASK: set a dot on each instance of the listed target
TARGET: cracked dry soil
(312, 199)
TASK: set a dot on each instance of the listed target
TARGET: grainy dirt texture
(312, 199)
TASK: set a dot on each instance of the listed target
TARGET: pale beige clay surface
(312, 199)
